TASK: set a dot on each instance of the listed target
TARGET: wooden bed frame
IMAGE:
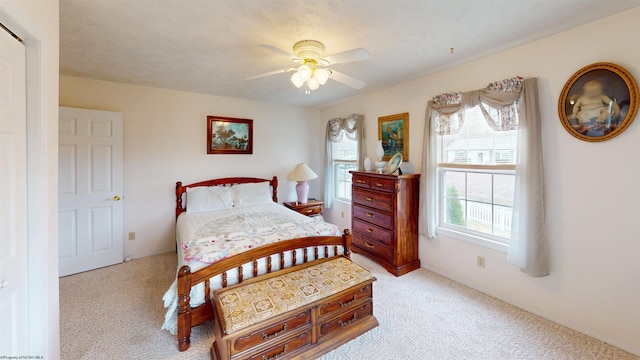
(189, 317)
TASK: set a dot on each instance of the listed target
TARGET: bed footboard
(188, 317)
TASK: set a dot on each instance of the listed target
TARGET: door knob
(115, 198)
(4, 284)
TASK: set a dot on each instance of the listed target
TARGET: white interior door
(13, 197)
(90, 210)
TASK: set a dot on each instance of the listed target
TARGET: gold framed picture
(229, 135)
(393, 130)
(598, 102)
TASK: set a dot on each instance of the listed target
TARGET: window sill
(476, 240)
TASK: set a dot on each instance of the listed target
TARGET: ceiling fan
(314, 66)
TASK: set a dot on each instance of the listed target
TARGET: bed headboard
(181, 189)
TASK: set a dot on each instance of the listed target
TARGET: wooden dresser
(384, 219)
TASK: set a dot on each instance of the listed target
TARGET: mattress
(208, 237)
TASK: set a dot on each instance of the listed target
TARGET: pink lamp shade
(301, 173)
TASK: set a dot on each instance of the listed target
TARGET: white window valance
(499, 103)
(338, 128)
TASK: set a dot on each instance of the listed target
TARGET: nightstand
(311, 208)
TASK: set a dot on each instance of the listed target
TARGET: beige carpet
(116, 313)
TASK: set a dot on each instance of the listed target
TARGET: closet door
(13, 197)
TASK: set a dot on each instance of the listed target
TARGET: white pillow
(213, 198)
(245, 195)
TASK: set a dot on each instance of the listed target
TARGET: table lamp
(301, 173)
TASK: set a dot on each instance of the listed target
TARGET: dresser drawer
(271, 332)
(381, 218)
(361, 181)
(378, 200)
(343, 322)
(345, 301)
(311, 210)
(382, 235)
(286, 347)
(387, 185)
(372, 247)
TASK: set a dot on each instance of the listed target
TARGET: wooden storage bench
(295, 313)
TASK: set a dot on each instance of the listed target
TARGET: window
(476, 170)
(342, 154)
(345, 159)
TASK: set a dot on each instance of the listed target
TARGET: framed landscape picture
(598, 102)
(393, 130)
(229, 135)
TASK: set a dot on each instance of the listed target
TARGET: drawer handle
(274, 357)
(371, 215)
(380, 185)
(309, 211)
(360, 181)
(347, 303)
(369, 245)
(369, 230)
(345, 323)
(370, 199)
(266, 336)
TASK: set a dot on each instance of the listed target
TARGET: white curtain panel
(428, 214)
(528, 245)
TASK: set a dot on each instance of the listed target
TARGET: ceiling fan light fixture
(322, 75)
(309, 49)
(304, 71)
(312, 65)
(296, 80)
(313, 83)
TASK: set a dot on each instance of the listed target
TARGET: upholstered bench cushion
(245, 305)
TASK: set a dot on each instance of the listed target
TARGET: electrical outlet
(480, 261)
(132, 236)
(342, 214)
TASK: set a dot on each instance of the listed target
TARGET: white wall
(37, 22)
(592, 189)
(165, 142)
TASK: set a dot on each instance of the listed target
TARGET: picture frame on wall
(393, 130)
(229, 135)
(598, 102)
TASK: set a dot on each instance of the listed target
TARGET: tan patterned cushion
(249, 304)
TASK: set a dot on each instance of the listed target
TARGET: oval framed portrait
(598, 102)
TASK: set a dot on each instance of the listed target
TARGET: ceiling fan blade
(356, 54)
(347, 80)
(279, 51)
(282, 71)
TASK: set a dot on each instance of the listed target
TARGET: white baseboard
(154, 253)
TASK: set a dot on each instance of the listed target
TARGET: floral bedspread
(215, 243)
(206, 238)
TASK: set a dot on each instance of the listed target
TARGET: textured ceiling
(210, 46)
